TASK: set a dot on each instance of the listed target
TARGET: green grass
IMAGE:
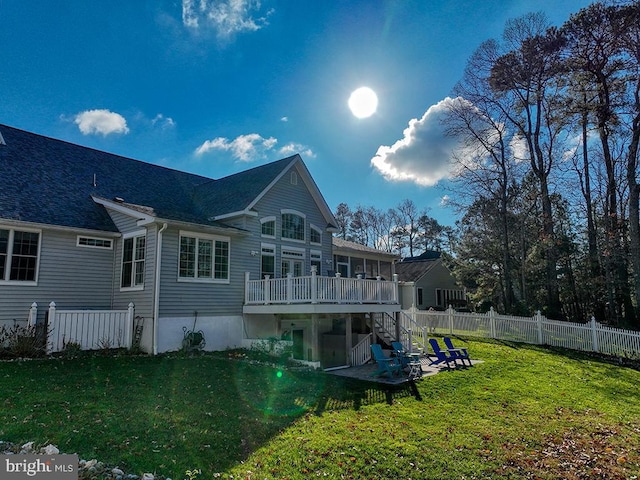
(525, 412)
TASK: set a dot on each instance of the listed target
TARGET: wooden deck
(367, 372)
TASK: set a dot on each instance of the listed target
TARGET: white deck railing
(317, 289)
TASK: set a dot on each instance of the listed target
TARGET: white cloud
(227, 17)
(424, 154)
(246, 148)
(293, 148)
(101, 121)
(284, 119)
(444, 201)
(163, 122)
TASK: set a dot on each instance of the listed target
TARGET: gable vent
(2, 142)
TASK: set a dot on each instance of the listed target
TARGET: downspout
(156, 293)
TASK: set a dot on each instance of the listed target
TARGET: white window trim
(275, 226)
(271, 253)
(205, 236)
(293, 252)
(318, 230)
(4, 274)
(126, 236)
(304, 230)
(110, 240)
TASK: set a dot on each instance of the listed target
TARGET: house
(351, 259)
(425, 282)
(242, 258)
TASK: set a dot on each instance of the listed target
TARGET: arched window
(293, 225)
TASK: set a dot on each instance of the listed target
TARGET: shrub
(21, 341)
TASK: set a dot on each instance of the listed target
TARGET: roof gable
(239, 193)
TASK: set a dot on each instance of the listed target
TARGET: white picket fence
(89, 329)
(591, 336)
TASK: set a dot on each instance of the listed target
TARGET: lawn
(525, 412)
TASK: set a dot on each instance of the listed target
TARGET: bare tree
(527, 76)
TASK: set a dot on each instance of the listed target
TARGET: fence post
(410, 335)
(594, 335)
(33, 314)
(129, 327)
(51, 324)
(492, 323)
(450, 312)
(538, 318)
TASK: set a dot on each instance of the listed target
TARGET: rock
(90, 463)
(26, 448)
(50, 450)
(117, 471)
(147, 476)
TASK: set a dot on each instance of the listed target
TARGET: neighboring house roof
(346, 246)
(49, 181)
(412, 269)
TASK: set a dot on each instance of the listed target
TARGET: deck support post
(349, 338)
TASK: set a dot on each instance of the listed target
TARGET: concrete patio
(368, 371)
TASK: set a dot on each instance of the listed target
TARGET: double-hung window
(203, 258)
(268, 227)
(133, 254)
(315, 235)
(19, 253)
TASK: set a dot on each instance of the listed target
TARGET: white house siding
(438, 277)
(71, 276)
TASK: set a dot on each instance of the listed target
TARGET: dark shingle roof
(236, 192)
(49, 181)
(414, 269)
(346, 245)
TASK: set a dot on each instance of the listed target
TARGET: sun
(363, 102)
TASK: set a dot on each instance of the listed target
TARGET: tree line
(548, 124)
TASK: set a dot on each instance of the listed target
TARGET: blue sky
(214, 87)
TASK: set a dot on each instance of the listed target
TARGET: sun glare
(363, 102)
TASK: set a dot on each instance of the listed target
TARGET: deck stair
(384, 326)
(411, 333)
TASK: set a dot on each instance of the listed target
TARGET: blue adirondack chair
(407, 359)
(441, 356)
(389, 365)
(460, 353)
